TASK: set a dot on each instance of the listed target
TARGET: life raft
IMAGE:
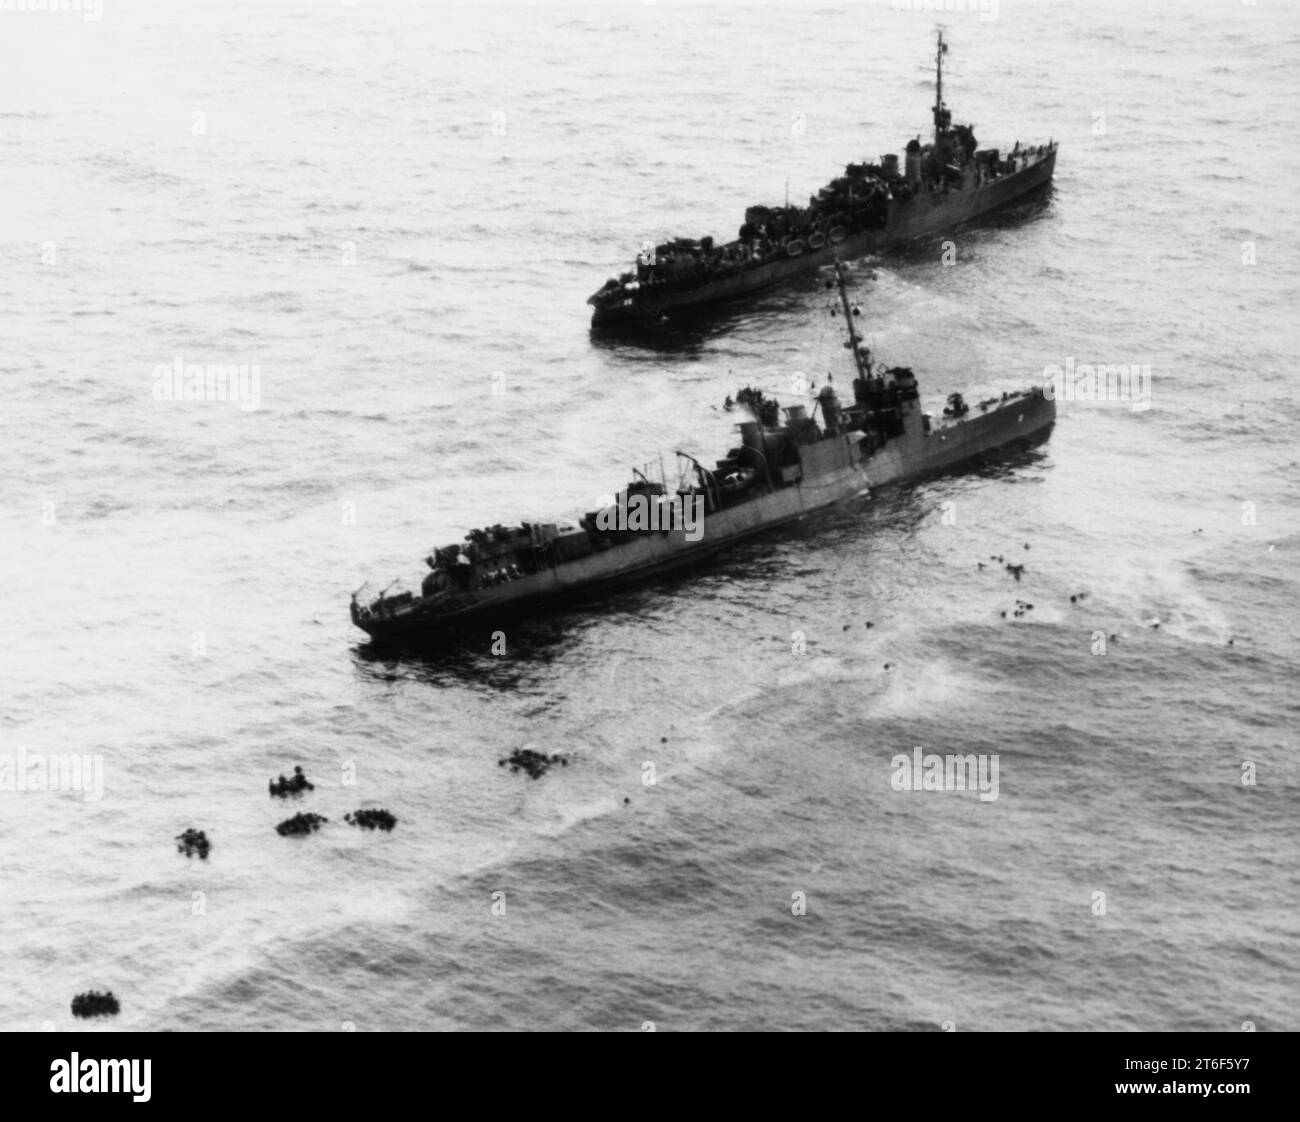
(794, 248)
(817, 240)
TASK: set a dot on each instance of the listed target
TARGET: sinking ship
(872, 207)
(787, 465)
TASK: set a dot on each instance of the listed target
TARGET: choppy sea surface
(396, 212)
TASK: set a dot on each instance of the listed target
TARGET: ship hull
(634, 561)
(918, 217)
(835, 471)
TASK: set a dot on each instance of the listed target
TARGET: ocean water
(395, 213)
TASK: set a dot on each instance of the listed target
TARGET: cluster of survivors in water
(95, 1004)
(856, 202)
(300, 824)
(535, 763)
(282, 788)
(193, 841)
(371, 819)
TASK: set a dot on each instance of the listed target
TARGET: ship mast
(854, 338)
(938, 85)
